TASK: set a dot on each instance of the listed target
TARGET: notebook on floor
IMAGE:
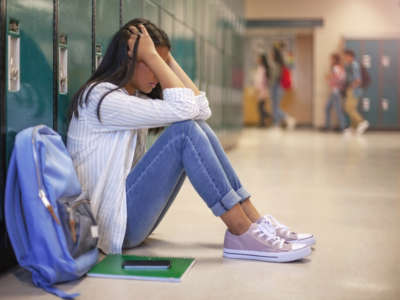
(111, 267)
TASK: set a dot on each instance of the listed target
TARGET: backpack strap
(59, 293)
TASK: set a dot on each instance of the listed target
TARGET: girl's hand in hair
(146, 48)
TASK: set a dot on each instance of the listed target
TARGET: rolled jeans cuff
(226, 203)
(243, 194)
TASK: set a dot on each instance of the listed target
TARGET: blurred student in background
(277, 90)
(336, 79)
(261, 78)
(353, 92)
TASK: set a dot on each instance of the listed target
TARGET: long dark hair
(117, 66)
(265, 64)
(278, 57)
(335, 59)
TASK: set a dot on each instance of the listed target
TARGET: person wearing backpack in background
(353, 91)
(279, 82)
(336, 78)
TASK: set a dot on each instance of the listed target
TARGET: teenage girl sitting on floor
(130, 189)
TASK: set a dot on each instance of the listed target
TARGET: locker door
(215, 74)
(167, 23)
(189, 13)
(200, 16)
(107, 24)
(189, 53)
(150, 12)
(388, 102)
(6, 253)
(29, 63)
(75, 53)
(131, 9)
(178, 47)
(2, 100)
(179, 9)
(197, 63)
(168, 5)
(227, 103)
(369, 106)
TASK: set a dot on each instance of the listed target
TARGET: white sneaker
(259, 243)
(291, 122)
(284, 232)
(347, 132)
(362, 127)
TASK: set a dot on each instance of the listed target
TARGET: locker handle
(14, 63)
(63, 67)
(99, 55)
(13, 70)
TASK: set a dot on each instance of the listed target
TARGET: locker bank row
(50, 48)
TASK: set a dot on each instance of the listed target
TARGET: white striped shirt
(103, 151)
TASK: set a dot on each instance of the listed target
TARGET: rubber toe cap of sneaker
(304, 236)
(298, 246)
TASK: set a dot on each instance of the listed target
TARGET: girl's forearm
(176, 68)
(167, 77)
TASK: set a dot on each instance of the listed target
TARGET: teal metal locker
(131, 9)
(107, 22)
(389, 92)
(167, 22)
(75, 53)
(183, 48)
(151, 11)
(168, 5)
(178, 7)
(190, 13)
(26, 82)
(189, 52)
(380, 101)
(369, 57)
(29, 67)
(2, 100)
(6, 253)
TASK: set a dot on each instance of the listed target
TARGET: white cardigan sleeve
(120, 111)
(204, 107)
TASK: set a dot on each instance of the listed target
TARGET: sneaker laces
(270, 236)
(284, 230)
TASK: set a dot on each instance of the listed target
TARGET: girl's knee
(186, 123)
(187, 126)
(203, 125)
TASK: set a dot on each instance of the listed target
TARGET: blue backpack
(48, 218)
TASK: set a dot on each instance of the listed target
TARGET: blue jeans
(276, 97)
(184, 148)
(334, 100)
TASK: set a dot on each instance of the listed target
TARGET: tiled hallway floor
(345, 191)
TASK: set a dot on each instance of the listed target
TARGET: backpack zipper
(71, 209)
(42, 193)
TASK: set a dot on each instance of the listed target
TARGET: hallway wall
(342, 18)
